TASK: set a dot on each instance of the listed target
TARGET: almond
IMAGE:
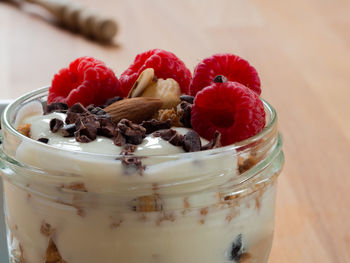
(147, 85)
(168, 90)
(134, 109)
(146, 78)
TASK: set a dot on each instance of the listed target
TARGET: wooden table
(302, 52)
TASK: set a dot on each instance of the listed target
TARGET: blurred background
(301, 50)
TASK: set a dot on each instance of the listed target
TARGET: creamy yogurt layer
(186, 223)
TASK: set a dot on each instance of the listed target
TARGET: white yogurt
(193, 226)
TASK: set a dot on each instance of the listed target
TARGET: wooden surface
(302, 52)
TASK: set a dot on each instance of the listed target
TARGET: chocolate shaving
(118, 139)
(128, 149)
(220, 79)
(52, 254)
(56, 107)
(155, 125)
(90, 107)
(43, 140)
(98, 111)
(192, 142)
(68, 130)
(86, 129)
(214, 143)
(132, 132)
(107, 128)
(46, 229)
(55, 124)
(111, 101)
(187, 98)
(171, 136)
(129, 162)
(75, 112)
(185, 119)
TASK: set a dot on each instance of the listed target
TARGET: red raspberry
(231, 66)
(230, 108)
(165, 65)
(86, 80)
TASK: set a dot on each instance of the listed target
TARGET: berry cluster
(225, 87)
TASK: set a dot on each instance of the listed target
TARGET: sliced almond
(147, 85)
(168, 90)
(145, 79)
(134, 109)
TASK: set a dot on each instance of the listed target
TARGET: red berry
(86, 80)
(231, 66)
(230, 108)
(165, 65)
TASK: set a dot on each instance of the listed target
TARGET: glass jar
(73, 207)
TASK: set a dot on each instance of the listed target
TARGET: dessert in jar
(156, 166)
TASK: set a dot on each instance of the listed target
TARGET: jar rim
(6, 124)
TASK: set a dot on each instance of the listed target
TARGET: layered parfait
(156, 166)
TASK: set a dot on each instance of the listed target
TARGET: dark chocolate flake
(86, 129)
(155, 125)
(132, 164)
(43, 140)
(68, 130)
(214, 143)
(132, 132)
(56, 107)
(75, 112)
(220, 79)
(118, 139)
(107, 128)
(98, 111)
(185, 118)
(55, 124)
(192, 142)
(170, 135)
(237, 249)
(111, 101)
(187, 98)
(128, 149)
